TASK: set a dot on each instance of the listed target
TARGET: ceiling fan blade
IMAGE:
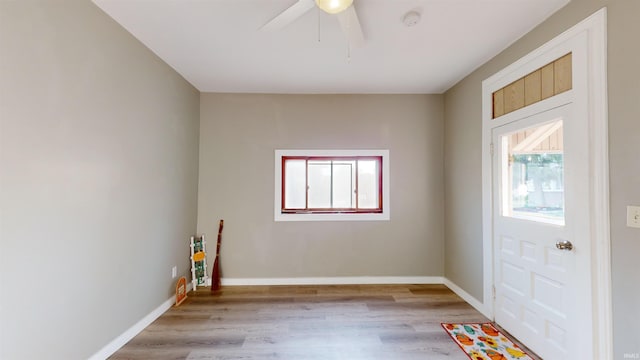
(351, 27)
(289, 15)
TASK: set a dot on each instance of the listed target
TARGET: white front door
(542, 272)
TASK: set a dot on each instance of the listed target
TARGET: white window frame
(279, 216)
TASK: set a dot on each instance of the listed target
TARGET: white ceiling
(217, 45)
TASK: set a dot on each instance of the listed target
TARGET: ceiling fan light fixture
(334, 6)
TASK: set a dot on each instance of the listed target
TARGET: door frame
(587, 42)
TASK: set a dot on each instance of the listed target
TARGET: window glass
(295, 196)
(319, 185)
(367, 188)
(343, 187)
(534, 187)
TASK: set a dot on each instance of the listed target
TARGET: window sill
(350, 216)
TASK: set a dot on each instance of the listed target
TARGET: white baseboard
(467, 297)
(130, 333)
(342, 280)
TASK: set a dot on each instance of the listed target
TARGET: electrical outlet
(633, 216)
(174, 272)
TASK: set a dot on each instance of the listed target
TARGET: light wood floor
(354, 322)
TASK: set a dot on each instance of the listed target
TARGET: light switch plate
(633, 216)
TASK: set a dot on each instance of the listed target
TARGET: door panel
(540, 177)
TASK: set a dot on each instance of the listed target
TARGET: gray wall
(238, 135)
(463, 135)
(98, 179)
(99, 166)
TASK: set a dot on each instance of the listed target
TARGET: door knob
(564, 245)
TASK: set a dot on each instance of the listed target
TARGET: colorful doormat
(481, 341)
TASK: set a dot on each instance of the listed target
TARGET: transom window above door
(331, 185)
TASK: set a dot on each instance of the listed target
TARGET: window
(331, 185)
(534, 174)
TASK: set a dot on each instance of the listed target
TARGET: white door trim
(587, 41)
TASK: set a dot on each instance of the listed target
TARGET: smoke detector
(411, 18)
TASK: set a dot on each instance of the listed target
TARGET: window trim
(331, 215)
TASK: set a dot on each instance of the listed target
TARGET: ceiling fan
(342, 9)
